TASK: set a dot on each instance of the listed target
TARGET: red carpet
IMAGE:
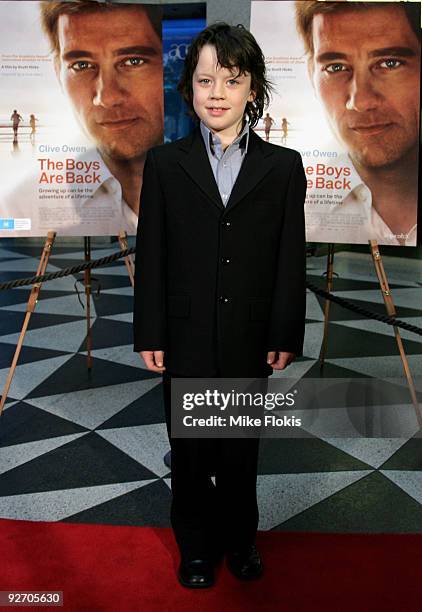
(102, 567)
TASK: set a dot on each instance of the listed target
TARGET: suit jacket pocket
(259, 309)
(178, 306)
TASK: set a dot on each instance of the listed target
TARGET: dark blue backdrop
(177, 36)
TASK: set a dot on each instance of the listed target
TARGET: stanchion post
(328, 288)
(122, 237)
(87, 284)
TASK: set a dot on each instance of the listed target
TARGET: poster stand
(30, 307)
(391, 312)
(33, 298)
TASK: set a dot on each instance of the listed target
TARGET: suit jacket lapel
(253, 169)
(196, 163)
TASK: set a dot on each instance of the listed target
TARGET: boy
(220, 285)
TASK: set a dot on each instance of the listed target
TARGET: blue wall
(177, 36)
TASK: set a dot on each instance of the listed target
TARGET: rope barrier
(104, 261)
(95, 263)
(363, 311)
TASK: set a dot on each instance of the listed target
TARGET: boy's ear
(252, 96)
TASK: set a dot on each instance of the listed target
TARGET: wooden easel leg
(328, 288)
(32, 301)
(87, 283)
(128, 260)
(391, 311)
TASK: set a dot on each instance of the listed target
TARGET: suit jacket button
(226, 224)
(223, 299)
(225, 260)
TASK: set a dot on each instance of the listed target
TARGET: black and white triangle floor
(88, 447)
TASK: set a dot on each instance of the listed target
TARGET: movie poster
(81, 103)
(346, 95)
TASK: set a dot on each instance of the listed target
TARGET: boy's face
(219, 95)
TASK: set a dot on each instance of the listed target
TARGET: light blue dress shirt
(225, 164)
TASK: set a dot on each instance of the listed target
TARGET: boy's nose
(217, 91)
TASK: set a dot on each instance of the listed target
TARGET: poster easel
(33, 298)
(30, 307)
(391, 312)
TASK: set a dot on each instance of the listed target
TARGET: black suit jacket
(217, 287)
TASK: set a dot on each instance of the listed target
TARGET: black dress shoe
(196, 574)
(246, 564)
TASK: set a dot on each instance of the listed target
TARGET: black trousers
(208, 518)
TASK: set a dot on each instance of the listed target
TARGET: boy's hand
(153, 360)
(279, 360)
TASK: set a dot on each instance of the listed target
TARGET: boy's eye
(233, 82)
(204, 81)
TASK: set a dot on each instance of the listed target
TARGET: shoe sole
(189, 585)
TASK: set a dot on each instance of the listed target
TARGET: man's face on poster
(110, 67)
(366, 71)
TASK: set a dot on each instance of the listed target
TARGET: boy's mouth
(216, 110)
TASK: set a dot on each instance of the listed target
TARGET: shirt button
(223, 299)
(225, 260)
(226, 224)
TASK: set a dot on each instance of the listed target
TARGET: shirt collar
(213, 142)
